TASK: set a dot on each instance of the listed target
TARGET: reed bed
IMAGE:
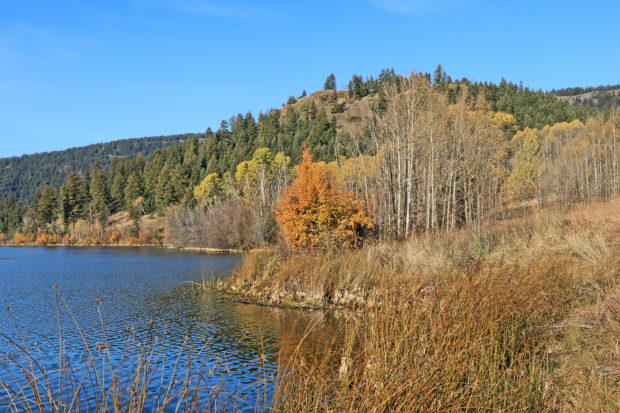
(522, 315)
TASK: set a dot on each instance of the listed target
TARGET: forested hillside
(316, 119)
(451, 155)
(26, 175)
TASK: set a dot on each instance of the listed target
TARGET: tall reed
(143, 378)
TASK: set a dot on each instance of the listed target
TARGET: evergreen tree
(133, 189)
(330, 82)
(99, 194)
(117, 187)
(11, 216)
(165, 190)
(46, 205)
(71, 198)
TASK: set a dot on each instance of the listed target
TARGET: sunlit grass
(459, 321)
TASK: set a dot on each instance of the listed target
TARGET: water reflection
(141, 293)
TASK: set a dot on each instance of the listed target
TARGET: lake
(140, 294)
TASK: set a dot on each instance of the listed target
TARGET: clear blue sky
(79, 72)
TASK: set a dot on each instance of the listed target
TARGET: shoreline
(205, 250)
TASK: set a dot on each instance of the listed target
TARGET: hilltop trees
(330, 82)
(437, 165)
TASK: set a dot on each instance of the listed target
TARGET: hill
(26, 175)
(600, 97)
(322, 120)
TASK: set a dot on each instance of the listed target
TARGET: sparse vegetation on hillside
(600, 97)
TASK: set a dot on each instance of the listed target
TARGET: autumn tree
(313, 212)
(523, 181)
(437, 165)
(210, 190)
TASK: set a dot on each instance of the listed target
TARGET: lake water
(141, 293)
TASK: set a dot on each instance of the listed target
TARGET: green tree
(46, 205)
(134, 189)
(99, 194)
(330, 82)
(71, 199)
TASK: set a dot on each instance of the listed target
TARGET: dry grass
(521, 316)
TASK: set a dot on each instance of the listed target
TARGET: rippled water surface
(142, 292)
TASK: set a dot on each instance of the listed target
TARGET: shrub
(21, 239)
(230, 224)
(42, 239)
(314, 212)
(114, 237)
(144, 236)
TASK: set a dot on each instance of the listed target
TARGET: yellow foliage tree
(523, 180)
(209, 190)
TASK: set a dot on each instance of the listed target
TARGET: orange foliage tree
(314, 212)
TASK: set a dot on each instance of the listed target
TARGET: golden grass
(521, 316)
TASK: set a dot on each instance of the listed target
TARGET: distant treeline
(600, 97)
(572, 91)
(26, 175)
(531, 108)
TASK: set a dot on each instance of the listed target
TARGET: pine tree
(133, 189)
(46, 205)
(117, 179)
(71, 197)
(99, 194)
(330, 82)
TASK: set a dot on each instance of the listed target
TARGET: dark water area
(141, 293)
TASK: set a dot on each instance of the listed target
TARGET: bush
(21, 239)
(42, 239)
(114, 237)
(314, 212)
(231, 224)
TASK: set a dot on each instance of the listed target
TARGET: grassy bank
(522, 315)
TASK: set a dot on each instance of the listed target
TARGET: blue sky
(79, 72)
